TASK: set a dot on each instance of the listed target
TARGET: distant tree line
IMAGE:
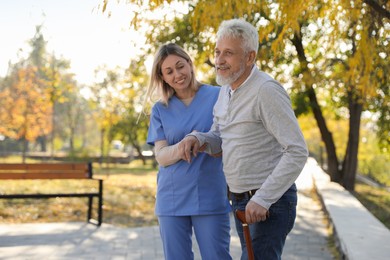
(42, 108)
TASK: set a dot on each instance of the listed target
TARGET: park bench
(49, 172)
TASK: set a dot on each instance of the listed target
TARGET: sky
(74, 30)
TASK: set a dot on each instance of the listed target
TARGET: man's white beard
(231, 78)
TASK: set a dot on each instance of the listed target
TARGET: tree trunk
(102, 131)
(139, 151)
(52, 134)
(327, 138)
(42, 140)
(326, 135)
(351, 154)
(71, 141)
(25, 149)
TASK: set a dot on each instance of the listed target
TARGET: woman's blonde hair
(156, 78)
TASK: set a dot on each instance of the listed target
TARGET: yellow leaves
(352, 8)
(290, 12)
(105, 2)
(278, 44)
(209, 14)
(362, 62)
(26, 106)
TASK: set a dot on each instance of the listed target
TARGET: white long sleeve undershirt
(168, 154)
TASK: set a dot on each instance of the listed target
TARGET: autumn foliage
(25, 108)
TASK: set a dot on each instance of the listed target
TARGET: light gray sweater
(263, 146)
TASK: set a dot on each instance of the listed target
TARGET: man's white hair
(239, 28)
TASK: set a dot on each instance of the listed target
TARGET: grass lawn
(128, 198)
(376, 200)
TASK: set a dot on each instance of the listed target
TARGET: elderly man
(262, 145)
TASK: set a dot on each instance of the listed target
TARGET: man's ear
(251, 57)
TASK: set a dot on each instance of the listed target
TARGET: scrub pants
(269, 236)
(212, 233)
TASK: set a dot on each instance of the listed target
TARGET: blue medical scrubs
(192, 193)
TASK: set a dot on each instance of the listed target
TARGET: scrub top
(199, 187)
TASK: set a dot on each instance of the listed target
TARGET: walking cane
(247, 235)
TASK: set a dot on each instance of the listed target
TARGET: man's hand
(189, 146)
(255, 212)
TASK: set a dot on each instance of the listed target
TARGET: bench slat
(47, 166)
(43, 175)
(47, 196)
(45, 171)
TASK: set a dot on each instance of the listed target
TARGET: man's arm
(195, 142)
(281, 123)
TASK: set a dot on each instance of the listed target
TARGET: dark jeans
(268, 237)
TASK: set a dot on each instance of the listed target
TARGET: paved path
(74, 240)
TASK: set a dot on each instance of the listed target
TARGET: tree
(335, 50)
(105, 98)
(52, 70)
(59, 83)
(71, 110)
(132, 126)
(25, 107)
(38, 59)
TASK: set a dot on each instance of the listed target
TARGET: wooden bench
(54, 171)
